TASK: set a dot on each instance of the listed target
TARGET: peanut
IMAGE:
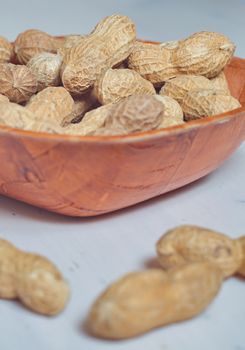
(117, 84)
(31, 278)
(82, 105)
(144, 300)
(92, 121)
(190, 244)
(203, 53)
(16, 116)
(135, 113)
(69, 41)
(6, 50)
(241, 242)
(201, 103)
(34, 41)
(17, 82)
(99, 51)
(51, 104)
(220, 83)
(153, 62)
(178, 87)
(46, 68)
(172, 108)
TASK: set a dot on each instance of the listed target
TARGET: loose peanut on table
(32, 279)
(106, 67)
(186, 244)
(140, 301)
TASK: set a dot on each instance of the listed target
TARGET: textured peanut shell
(241, 242)
(82, 105)
(207, 102)
(109, 44)
(6, 50)
(178, 87)
(152, 62)
(46, 68)
(51, 104)
(17, 82)
(141, 301)
(172, 108)
(135, 113)
(203, 53)
(190, 244)
(33, 279)
(220, 83)
(32, 42)
(92, 121)
(16, 116)
(117, 84)
(69, 41)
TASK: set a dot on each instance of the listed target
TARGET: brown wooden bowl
(88, 175)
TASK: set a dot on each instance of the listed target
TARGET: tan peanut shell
(32, 42)
(153, 62)
(69, 41)
(6, 50)
(46, 68)
(117, 84)
(33, 279)
(17, 82)
(203, 53)
(109, 44)
(190, 244)
(82, 105)
(241, 242)
(51, 104)
(207, 102)
(178, 87)
(220, 83)
(16, 116)
(172, 109)
(135, 113)
(92, 121)
(141, 301)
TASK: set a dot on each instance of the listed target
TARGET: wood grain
(88, 176)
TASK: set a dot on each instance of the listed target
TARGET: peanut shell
(51, 104)
(207, 102)
(203, 53)
(153, 62)
(178, 87)
(190, 244)
(220, 83)
(144, 300)
(241, 242)
(97, 52)
(6, 50)
(117, 84)
(17, 82)
(32, 42)
(46, 68)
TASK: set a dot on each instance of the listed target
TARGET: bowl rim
(139, 136)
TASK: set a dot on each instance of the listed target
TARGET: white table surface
(93, 252)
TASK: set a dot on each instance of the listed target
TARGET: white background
(93, 252)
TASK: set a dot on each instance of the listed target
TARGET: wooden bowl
(87, 176)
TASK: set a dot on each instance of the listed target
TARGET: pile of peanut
(193, 263)
(110, 83)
